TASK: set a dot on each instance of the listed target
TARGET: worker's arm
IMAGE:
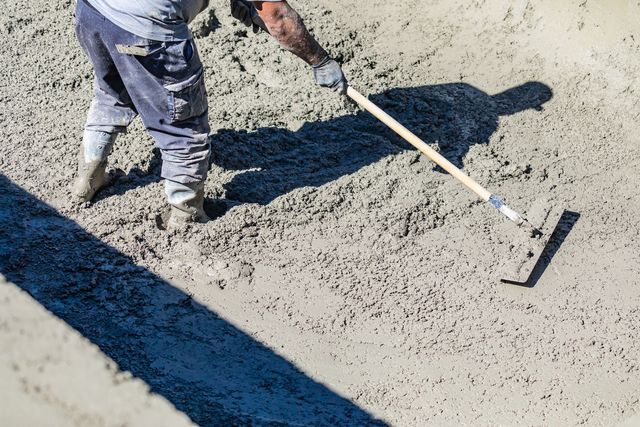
(286, 26)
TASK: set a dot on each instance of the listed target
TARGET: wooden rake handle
(445, 164)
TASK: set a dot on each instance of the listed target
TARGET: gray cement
(344, 280)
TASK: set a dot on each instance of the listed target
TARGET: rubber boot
(186, 202)
(92, 163)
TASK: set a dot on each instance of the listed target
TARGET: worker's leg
(111, 109)
(165, 83)
(172, 103)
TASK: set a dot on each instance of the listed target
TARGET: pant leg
(111, 109)
(166, 85)
(168, 89)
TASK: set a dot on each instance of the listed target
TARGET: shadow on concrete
(208, 368)
(454, 116)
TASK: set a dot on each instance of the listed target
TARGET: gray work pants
(160, 81)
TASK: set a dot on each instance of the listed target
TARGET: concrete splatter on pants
(161, 81)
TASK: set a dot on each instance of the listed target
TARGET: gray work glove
(244, 12)
(327, 73)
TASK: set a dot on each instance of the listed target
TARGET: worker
(145, 62)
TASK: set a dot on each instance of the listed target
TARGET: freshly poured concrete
(344, 280)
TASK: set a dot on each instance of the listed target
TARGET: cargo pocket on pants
(187, 98)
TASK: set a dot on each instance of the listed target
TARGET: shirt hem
(148, 36)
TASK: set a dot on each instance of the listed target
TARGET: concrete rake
(535, 238)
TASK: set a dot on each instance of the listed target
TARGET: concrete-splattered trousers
(160, 81)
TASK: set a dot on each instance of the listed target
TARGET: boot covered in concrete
(92, 163)
(187, 203)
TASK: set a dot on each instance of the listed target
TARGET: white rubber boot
(187, 203)
(92, 163)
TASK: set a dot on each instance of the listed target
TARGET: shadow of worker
(453, 116)
(209, 369)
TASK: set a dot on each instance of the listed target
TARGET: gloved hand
(327, 73)
(244, 12)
